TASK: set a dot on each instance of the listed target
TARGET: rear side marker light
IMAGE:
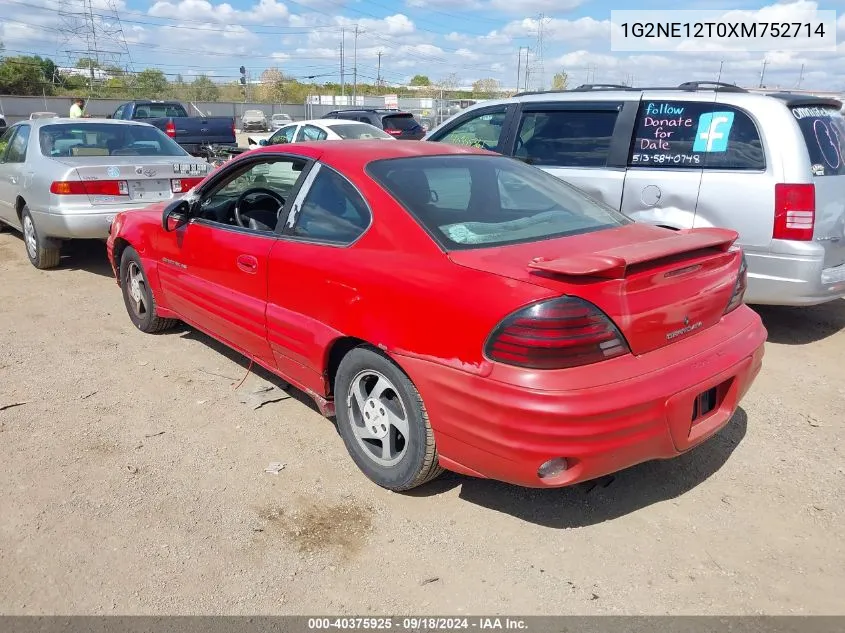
(795, 212)
(556, 334)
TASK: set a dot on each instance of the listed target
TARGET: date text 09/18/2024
(418, 623)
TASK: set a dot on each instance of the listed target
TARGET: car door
(213, 272)
(665, 162)
(12, 171)
(307, 269)
(584, 143)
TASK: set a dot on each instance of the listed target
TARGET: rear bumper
(487, 428)
(93, 225)
(794, 279)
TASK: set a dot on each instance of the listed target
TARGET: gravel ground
(133, 482)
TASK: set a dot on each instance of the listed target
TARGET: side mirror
(175, 215)
(263, 142)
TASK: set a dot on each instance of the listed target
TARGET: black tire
(419, 463)
(145, 319)
(43, 252)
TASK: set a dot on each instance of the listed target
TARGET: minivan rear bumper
(792, 279)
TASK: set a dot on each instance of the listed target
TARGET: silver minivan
(770, 166)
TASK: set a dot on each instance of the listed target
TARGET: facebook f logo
(713, 131)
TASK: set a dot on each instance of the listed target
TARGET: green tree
(23, 75)
(560, 81)
(485, 87)
(203, 89)
(151, 84)
(420, 80)
(87, 62)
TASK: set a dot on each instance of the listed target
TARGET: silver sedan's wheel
(383, 422)
(42, 252)
(378, 417)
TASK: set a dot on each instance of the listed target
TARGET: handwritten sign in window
(695, 135)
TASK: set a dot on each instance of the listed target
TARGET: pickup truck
(171, 117)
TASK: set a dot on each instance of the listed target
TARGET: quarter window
(683, 134)
(566, 138)
(332, 211)
(483, 130)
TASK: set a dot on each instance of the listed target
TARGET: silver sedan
(64, 179)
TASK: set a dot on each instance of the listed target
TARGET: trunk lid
(146, 181)
(657, 285)
(823, 129)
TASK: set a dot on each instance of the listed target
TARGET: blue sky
(472, 39)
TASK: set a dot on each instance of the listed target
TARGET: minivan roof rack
(584, 87)
(708, 85)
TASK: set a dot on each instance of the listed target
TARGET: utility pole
(763, 72)
(342, 76)
(800, 77)
(378, 76)
(719, 78)
(355, 69)
(519, 65)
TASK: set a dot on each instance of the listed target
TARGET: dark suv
(400, 125)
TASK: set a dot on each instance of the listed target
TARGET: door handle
(247, 263)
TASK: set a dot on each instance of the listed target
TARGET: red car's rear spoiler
(614, 262)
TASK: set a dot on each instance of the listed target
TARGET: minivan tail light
(181, 185)
(170, 129)
(795, 212)
(740, 287)
(90, 187)
(394, 132)
(556, 334)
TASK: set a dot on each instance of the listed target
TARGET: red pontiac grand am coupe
(453, 308)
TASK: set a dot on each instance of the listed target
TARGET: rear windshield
(358, 131)
(106, 139)
(478, 201)
(254, 113)
(823, 128)
(400, 122)
(159, 110)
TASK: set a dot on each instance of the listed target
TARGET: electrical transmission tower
(537, 68)
(96, 36)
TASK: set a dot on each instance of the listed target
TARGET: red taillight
(170, 129)
(90, 187)
(739, 287)
(181, 185)
(795, 212)
(556, 334)
(234, 133)
(394, 132)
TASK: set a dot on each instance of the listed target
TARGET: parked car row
(320, 130)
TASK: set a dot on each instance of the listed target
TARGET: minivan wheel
(43, 252)
(383, 422)
(137, 295)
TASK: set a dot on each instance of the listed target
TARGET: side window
(311, 133)
(684, 134)
(17, 148)
(566, 138)
(262, 189)
(482, 130)
(332, 211)
(118, 114)
(284, 135)
(4, 142)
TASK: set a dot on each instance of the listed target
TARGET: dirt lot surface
(133, 481)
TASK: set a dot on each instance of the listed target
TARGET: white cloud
(223, 13)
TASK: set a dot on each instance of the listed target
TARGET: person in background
(76, 108)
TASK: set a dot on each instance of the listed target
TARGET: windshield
(106, 139)
(477, 201)
(823, 128)
(358, 131)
